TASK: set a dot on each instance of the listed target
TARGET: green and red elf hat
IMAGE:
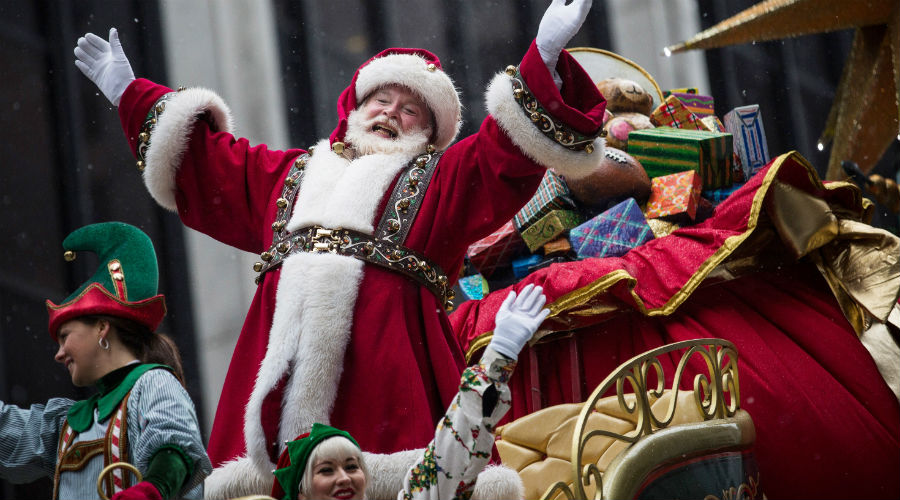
(125, 282)
(292, 462)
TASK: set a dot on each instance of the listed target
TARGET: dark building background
(64, 163)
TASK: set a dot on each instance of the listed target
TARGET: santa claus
(360, 236)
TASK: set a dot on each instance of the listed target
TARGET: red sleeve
(221, 185)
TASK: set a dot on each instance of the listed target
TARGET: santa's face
(393, 110)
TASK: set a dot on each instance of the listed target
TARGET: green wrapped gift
(666, 150)
(549, 227)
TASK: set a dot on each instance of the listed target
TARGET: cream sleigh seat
(664, 443)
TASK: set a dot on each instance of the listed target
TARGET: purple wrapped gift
(612, 233)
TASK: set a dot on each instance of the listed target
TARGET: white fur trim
(387, 472)
(316, 296)
(504, 108)
(411, 71)
(236, 478)
(169, 140)
(340, 193)
(498, 482)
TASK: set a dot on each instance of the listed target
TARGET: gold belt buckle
(325, 240)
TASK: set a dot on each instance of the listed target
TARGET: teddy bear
(629, 107)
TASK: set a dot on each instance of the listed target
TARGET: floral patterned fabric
(464, 437)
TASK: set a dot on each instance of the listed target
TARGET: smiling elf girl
(141, 413)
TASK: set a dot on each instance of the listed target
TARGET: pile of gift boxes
(694, 161)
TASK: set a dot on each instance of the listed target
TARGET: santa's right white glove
(105, 64)
(518, 319)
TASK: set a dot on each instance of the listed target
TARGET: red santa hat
(416, 69)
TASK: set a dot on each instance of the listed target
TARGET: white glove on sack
(105, 64)
(518, 319)
(558, 26)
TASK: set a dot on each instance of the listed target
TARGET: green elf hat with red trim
(125, 282)
(292, 462)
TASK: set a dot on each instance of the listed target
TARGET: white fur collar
(339, 193)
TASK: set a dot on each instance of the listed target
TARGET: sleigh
(787, 273)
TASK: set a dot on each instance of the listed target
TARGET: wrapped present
(716, 196)
(674, 196)
(473, 287)
(700, 105)
(612, 233)
(684, 90)
(520, 265)
(666, 150)
(552, 194)
(548, 261)
(745, 124)
(712, 123)
(559, 246)
(673, 113)
(549, 227)
(496, 250)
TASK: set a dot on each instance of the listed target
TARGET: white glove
(105, 64)
(518, 319)
(558, 26)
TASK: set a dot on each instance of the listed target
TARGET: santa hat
(125, 283)
(416, 69)
(292, 462)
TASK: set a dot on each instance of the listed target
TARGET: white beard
(359, 135)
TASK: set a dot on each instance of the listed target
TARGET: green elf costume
(141, 413)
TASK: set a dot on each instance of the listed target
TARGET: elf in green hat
(141, 413)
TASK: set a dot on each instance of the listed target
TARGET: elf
(141, 413)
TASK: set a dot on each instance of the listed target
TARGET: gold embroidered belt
(383, 248)
(351, 243)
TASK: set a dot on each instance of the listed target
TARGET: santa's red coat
(402, 362)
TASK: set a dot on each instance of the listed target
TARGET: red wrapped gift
(496, 250)
(673, 113)
(675, 195)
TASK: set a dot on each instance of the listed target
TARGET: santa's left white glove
(558, 26)
(517, 320)
(105, 64)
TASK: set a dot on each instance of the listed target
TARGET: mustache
(389, 122)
